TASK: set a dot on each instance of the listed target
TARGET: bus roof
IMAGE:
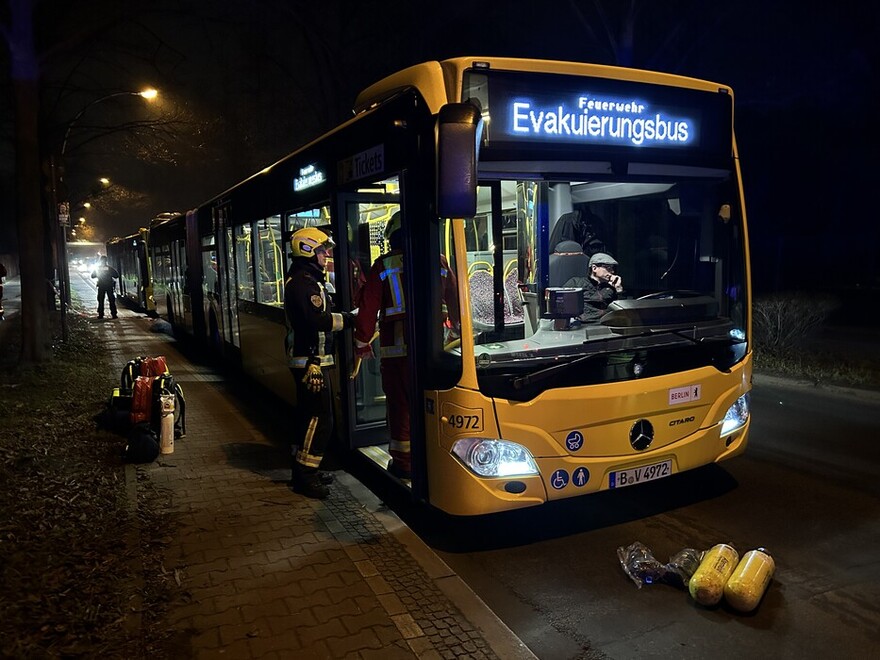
(440, 82)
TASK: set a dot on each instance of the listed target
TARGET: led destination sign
(309, 177)
(535, 109)
(601, 120)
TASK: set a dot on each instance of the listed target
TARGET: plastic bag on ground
(639, 563)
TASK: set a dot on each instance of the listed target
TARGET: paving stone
(363, 639)
(323, 631)
(394, 652)
(327, 612)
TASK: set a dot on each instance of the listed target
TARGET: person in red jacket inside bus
(382, 295)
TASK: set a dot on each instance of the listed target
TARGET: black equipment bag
(119, 411)
(143, 445)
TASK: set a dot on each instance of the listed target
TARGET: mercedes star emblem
(641, 434)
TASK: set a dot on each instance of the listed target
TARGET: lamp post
(63, 207)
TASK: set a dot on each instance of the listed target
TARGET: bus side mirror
(458, 133)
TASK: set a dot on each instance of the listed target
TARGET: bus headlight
(488, 457)
(737, 415)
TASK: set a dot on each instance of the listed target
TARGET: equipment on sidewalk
(142, 399)
(143, 446)
(146, 391)
(166, 435)
(148, 406)
(141, 366)
(117, 416)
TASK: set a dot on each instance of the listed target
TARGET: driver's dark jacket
(597, 297)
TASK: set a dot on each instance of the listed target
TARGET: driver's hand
(616, 282)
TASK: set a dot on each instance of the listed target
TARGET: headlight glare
(737, 415)
(489, 457)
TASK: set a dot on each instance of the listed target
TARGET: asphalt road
(806, 489)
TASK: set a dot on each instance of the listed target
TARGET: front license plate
(640, 475)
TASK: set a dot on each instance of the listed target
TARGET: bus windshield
(576, 282)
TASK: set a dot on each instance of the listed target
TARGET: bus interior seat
(568, 260)
(480, 285)
(513, 308)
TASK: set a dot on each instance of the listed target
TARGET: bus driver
(601, 286)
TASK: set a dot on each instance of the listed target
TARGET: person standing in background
(106, 276)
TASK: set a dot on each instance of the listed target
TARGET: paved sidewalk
(267, 573)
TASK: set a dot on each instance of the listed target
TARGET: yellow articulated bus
(129, 256)
(592, 220)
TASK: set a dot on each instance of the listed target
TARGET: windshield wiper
(685, 333)
(541, 374)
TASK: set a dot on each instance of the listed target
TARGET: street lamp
(63, 208)
(148, 94)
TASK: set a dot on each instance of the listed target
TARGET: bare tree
(25, 76)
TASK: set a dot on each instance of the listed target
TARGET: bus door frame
(373, 432)
(226, 271)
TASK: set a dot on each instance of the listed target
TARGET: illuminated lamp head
(305, 243)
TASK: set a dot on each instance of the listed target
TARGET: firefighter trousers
(313, 422)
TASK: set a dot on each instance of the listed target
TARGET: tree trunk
(31, 234)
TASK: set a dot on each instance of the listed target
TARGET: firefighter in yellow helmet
(311, 323)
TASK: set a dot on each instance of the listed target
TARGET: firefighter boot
(396, 469)
(307, 482)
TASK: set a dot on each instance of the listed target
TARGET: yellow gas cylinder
(749, 581)
(706, 585)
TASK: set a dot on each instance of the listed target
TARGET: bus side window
(270, 259)
(244, 262)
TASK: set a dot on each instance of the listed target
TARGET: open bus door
(365, 216)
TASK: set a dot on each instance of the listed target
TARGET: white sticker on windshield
(685, 394)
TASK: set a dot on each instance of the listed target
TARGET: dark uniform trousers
(111, 298)
(314, 422)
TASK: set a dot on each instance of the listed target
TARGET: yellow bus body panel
(689, 434)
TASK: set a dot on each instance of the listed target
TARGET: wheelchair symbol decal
(559, 479)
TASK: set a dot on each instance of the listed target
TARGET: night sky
(245, 83)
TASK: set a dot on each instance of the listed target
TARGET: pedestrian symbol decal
(580, 477)
(559, 479)
(574, 440)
